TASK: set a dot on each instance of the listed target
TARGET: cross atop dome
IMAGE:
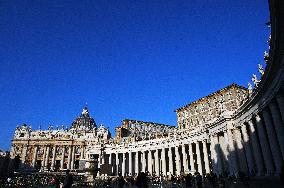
(85, 111)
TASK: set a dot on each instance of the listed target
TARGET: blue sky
(126, 59)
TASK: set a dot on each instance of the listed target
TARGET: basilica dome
(84, 121)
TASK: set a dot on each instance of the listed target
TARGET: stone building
(140, 130)
(230, 131)
(209, 108)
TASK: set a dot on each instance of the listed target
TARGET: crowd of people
(40, 180)
(142, 180)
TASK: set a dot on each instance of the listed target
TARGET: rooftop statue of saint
(255, 80)
(260, 69)
(249, 88)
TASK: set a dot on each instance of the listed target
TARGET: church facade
(230, 131)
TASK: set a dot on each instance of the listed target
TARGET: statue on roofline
(255, 80)
(260, 69)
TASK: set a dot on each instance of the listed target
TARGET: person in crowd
(188, 180)
(120, 181)
(198, 180)
(141, 181)
(68, 180)
(56, 182)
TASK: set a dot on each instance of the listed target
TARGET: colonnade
(162, 161)
(254, 146)
(50, 157)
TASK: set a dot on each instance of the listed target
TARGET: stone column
(256, 149)
(53, 157)
(82, 152)
(47, 156)
(35, 155)
(130, 163)
(276, 153)
(184, 159)
(213, 148)
(123, 164)
(177, 159)
(278, 125)
(144, 161)
(137, 162)
(280, 102)
(247, 148)
(163, 158)
(110, 162)
(117, 163)
(264, 146)
(224, 151)
(240, 151)
(157, 170)
(109, 159)
(191, 158)
(199, 164)
(73, 157)
(170, 154)
(44, 156)
(205, 153)
(233, 165)
(99, 164)
(69, 157)
(62, 157)
(24, 153)
(150, 162)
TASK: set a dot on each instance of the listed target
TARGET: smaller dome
(84, 121)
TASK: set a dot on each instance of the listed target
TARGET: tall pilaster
(276, 153)
(110, 162)
(163, 158)
(278, 125)
(144, 161)
(53, 157)
(44, 156)
(110, 159)
(137, 162)
(117, 163)
(170, 154)
(205, 153)
(73, 157)
(35, 156)
(177, 160)
(130, 163)
(157, 170)
(69, 157)
(24, 153)
(62, 157)
(191, 158)
(184, 159)
(82, 156)
(256, 149)
(47, 156)
(248, 152)
(264, 145)
(150, 162)
(123, 164)
(198, 156)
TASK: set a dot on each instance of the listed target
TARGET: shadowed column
(256, 149)
(272, 141)
(264, 146)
